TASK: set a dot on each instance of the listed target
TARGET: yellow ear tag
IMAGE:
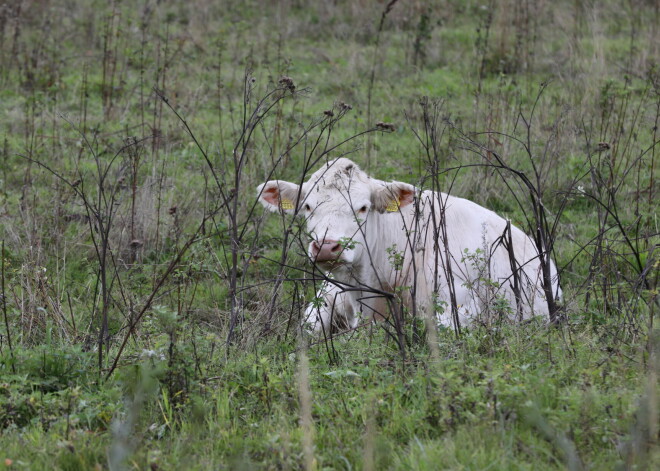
(393, 206)
(286, 203)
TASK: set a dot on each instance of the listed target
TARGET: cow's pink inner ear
(271, 195)
(406, 196)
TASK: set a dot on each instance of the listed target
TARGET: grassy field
(151, 310)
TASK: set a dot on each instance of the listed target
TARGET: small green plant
(348, 243)
(479, 262)
(395, 257)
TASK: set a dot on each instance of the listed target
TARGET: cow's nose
(326, 251)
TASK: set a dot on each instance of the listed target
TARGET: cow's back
(480, 263)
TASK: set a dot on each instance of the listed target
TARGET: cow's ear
(392, 196)
(278, 195)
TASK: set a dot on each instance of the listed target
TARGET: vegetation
(152, 314)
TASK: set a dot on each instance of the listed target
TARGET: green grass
(480, 405)
(582, 396)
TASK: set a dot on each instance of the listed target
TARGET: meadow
(152, 312)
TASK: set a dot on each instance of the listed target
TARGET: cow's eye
(307, 208)
(363, 209)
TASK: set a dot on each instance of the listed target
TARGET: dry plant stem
(326, 129)
(543, 232)
(515, 269)
(448, 266)
(482, 46)
(430, 143)
(100, 218)
(163, 86)
(431, 117)
(306, 420)
(372, 76)
(322, 138)
(103, 220)
(656, 125)
(605, 195)
(233, 209)
(250, 123)
(147, 305)
(230, 199)
(100, 213)
(369, 436)
(543, 238)
(109, 60)
(396, 311)
(4, 309)
(608, 170)
(144, 21)
(73, 320)
(134, 156)
(220, 186)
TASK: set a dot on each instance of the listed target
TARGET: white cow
(373, 238)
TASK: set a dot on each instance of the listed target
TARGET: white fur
(333, 201)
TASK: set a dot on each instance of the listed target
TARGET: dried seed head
(389, 127)
(603, 146)
(344, 106)
(172, 210)
(287, 82)
(136, 244)
(328, 113)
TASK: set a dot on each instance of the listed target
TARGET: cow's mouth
(330, 264)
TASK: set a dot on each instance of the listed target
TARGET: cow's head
(337, 202)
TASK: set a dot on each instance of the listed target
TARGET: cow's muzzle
(325, 251)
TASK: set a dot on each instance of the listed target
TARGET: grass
(80, 93)
(478, 406)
